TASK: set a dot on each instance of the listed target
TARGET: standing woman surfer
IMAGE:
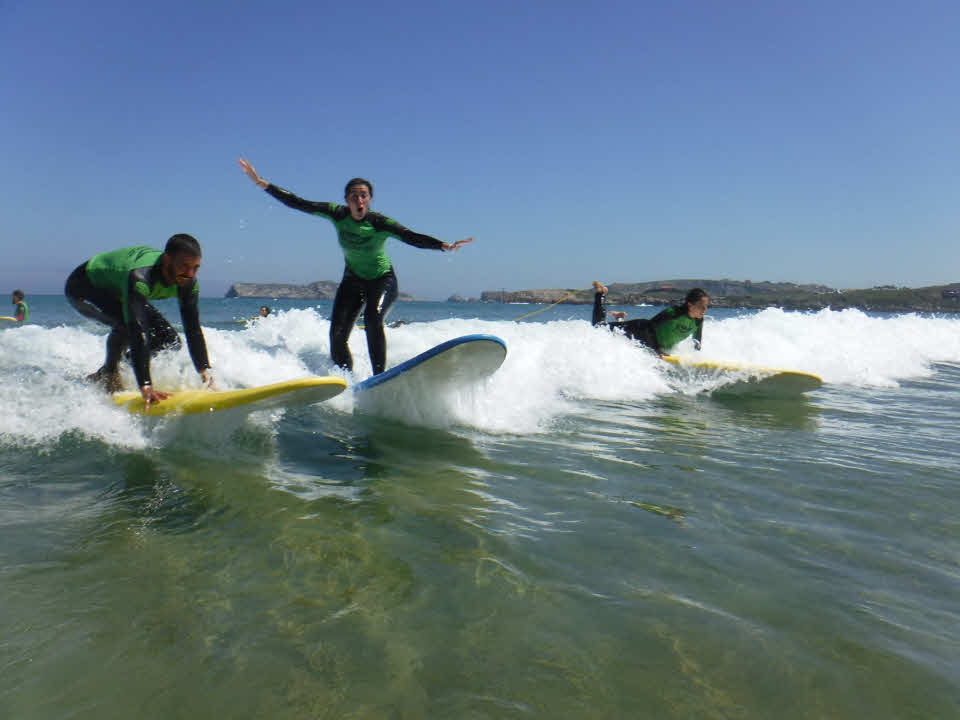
(368, 278)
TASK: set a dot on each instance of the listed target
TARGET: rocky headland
(747, 294)
(723, 293)
(319, 290)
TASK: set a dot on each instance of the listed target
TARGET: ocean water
(583, 535)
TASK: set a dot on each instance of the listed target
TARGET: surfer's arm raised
(252, 174)
(313, 207)
(405, 234)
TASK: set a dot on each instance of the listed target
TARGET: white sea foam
(844, 348)
(550, 367)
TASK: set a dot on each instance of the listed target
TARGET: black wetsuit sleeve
(298, 203)
(137, 325)
(190, 314)
(668, 314)
(382, 222)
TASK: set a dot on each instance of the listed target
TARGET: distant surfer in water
(264, 311)
(113, 288)
(368, 278)
(21, 312)
(665, 329)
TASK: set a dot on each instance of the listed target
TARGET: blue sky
(619, 141)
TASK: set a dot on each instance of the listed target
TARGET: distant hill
(723, 293)
(751, 295)
(319, 290)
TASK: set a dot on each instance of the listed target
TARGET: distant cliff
(319, 290)
(750, 295)
(723, 293)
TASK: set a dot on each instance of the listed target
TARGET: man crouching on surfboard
(665, 329)
(113, 288)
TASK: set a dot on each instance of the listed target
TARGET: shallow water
(582, 535)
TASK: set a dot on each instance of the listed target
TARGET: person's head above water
(181, 259)
(264, 311)
(358, 193)
(696, 302)
(17, 296)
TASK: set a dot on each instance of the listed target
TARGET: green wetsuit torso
(673, 325)
(22, 309)
(111, 271)
(362, 241)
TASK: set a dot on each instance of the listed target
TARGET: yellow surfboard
(304, 391)
(5, 317)
(751, 378)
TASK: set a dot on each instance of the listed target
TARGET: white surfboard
(457, 362)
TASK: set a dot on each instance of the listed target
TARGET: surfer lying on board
(368, 278)
(113, 288)
(22, 312)
(665, 329)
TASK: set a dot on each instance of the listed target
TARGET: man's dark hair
(357, 181)
(695, 296)
(18, 294)
(181, 243)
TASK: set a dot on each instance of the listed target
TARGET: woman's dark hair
(695, 296)
(181, 243)
(357, 181)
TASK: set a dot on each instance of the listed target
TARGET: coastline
(736, 294)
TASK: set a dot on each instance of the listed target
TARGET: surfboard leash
(540, 310)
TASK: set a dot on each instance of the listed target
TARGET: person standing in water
(113, 288)
(665, 329)
(369, 281)
(21, 312)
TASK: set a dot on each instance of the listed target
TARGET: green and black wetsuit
(113, 288)
(22, 313)
(368, 279)
(661, 332)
